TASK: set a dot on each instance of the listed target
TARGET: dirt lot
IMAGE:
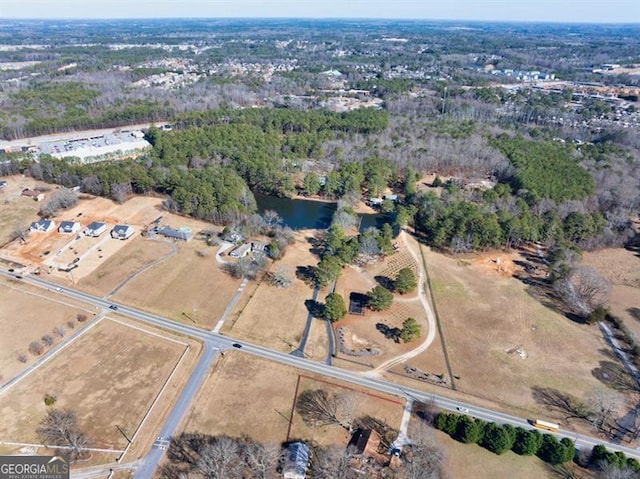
(110, 376)
(16, 210)
(246, 395)
(621, 268)
(18, 328)
(274, 316)
(503, 343)
(186, 284)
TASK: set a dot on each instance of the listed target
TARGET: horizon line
(319, 18)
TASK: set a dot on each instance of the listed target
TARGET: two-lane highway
(213, 341)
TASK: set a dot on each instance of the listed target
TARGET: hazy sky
(593, 11)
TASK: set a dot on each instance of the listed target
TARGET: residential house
(122, 232)
(240, 251)
(365, 445)
(391, 197)
(183, 234)
(42, 226)
(33, 194)
(95, 229)
(297, 461)
(69, 227)
(375, 201)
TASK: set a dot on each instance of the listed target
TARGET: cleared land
(503, 343)
(110, 376)
(275, 316)
(19, 326)
(246, 395)
(189, 286)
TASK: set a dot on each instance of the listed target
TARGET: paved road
(152, 459)
(213, 340)
(299, 351)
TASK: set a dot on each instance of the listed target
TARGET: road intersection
(214, 343)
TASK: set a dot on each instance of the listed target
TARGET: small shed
(357, 302)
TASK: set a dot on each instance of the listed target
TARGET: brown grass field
(184, 284)
(274, 316)
(471, 460)
(488, 316)
(244, 395)
(19, 326)
(135, 253)
(16, 210)
(110, 376)
(621, 268)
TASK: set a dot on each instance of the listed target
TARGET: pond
(301, 214)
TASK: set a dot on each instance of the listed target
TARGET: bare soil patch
(187, 287)
(110, 376)
(502, 342)
(275, 316)
(20, 325)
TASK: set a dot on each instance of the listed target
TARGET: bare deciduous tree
(22, 358)
(282, 277)
(333, 462)
(81, 317)
(424, 457)
(319, 408)
(219, 459)
(36, 348)
(60, 428)
(271, 219)
(71, 324)
(59, 330)
(605, 404)
(61, 199)
(583, 290)
(47, 339)
(611, 471)
(262, 459)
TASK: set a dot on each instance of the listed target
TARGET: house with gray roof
(122, 232)
(42, 226)
(183, 234)
(69, 227)
(95, 229)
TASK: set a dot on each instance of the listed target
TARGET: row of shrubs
(525, 442)
(499, 439)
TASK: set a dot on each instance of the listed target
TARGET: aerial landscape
(275, 240)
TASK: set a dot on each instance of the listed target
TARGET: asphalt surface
(213, 340)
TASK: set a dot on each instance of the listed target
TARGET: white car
(463, 409)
